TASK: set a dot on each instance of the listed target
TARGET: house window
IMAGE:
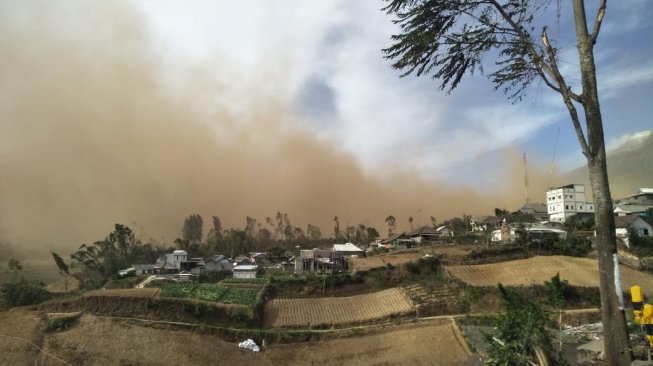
(646, 233)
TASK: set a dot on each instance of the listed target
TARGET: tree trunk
(615, 331)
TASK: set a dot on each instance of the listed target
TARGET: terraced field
(337, 311)
(400, 257)
(524, 272)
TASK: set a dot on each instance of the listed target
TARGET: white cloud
(276, 49)
(615, 80)
(629, 140)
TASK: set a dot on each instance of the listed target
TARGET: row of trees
(278, 231)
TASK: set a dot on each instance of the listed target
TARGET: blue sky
(325, 59)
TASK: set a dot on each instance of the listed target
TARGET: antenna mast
(526, 180)
(553, 158)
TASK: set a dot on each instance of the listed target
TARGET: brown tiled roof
(625, 221)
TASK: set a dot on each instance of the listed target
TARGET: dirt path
(146, 281)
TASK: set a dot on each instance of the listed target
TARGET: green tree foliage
(557, 291)
(459, 226)
(372, 233)
(313, 232)
(641, 246)
(336, 228)
(102, 260)
(19, 293)
(62, 266)
(361, 234)
(214, 235)
(15, 267)
(579, 222)
(192, 230)
(392, 225)
(551, 244)
(519, 330)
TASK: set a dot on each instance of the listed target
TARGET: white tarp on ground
(249, 344)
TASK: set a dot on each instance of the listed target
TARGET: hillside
(629, 168)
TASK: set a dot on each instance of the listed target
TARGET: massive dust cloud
(91, 134)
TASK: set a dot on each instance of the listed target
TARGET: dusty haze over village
(106, 126)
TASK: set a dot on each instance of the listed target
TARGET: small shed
(346, 250)
(185, 276)
(143, 269)
(245, 271)
(423, 234)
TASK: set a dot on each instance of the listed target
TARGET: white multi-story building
(566, 201)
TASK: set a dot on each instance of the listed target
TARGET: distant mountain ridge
(630, 167)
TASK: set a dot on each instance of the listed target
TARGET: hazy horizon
(100, 124)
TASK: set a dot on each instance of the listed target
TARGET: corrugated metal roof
(245, 267)
(349, 247)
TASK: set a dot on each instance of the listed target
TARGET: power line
(37, 347)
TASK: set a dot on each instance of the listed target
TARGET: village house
(245, 271)
(444, 231)
(508, 233)
(326, 261)
(423, 234)
(632, 223)
(538, 211)
(314, 261)
(485, 223)
(218, 263)
(397, 241)
(170, 262)
(637, 204)
(566, 201)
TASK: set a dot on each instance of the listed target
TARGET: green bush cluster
(214, 276)
(22, 292)
(256, 281)
(213, 293)
(575, 246)
(640, 246)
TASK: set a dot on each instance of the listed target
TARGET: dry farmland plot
(400, 257)
(524, 272)
(131, 292)
(428, 343)
(96, 340)
(337, 310)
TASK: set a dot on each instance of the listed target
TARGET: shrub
(518, 330)
(575, 246)
(22, 293)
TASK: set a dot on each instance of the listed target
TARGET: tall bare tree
(450, 38)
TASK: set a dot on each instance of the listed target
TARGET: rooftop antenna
(526, 180)
(553, 158)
